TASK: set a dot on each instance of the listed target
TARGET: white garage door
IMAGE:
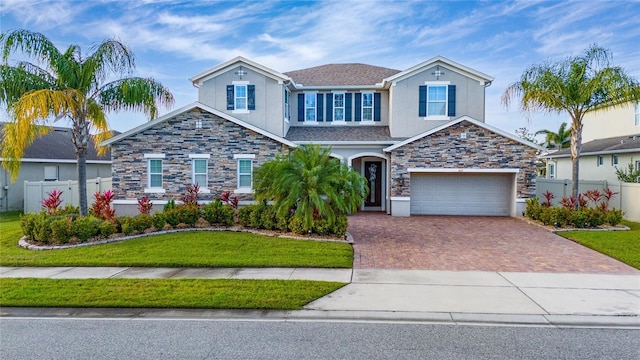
(461, 194)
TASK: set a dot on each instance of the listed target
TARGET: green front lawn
(164, 293)
(621, 245)
(183, 249)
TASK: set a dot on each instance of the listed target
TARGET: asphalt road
(61, 338)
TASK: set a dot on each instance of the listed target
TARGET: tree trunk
(81, 141)
(576, 145)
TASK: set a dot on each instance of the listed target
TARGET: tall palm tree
(576, 85)
(68, 85)
(557, 140)
(309, 181)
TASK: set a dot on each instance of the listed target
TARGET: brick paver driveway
(462, 243)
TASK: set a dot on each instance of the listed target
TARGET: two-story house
(418, 136)
(610, 140)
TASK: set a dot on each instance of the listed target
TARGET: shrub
(61, 230)
(282, 222)
(158, 220)
(170, 205)
(101, 207)
(42, 228)
(216, 212)
(186, 214)
(336, 228)
(107, 228)
(268, 218)
(28, 225)
(142, 222)
(613, 217)
(296, 225)
(145, 205)
(533, 208)
(86, 227)
(244, 215)
(52, 203)
(191, 197)
(127, 225)
(226, 198)
(69, 210)
(172, 217)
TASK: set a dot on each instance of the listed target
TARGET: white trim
(61, 161)
(199, 156)
(154, 156)
(346, 142)
(400, 198)
(238, 60)
(204, 107)
(154, 190)
(367, 154)
(244, 156)
(457, 121)
(437, 83)
(603, 152)
(451, 65)
(243, 82)
(243, 191)
(463, 170)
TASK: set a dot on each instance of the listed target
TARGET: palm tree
(310, 182)
(68, 85)
(576, 85)
(557, 140)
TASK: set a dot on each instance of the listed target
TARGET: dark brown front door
(373, 173)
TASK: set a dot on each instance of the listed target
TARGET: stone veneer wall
(177, 138)
(446, 149)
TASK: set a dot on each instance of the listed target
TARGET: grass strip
(621, 245)
(184, 249)
(163, 293)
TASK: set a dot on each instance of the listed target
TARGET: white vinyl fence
(627, 199)
(36, 191)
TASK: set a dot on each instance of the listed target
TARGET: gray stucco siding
(482, 149)
(405, 121)
(176, 138)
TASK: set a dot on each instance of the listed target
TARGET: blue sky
(174, 40)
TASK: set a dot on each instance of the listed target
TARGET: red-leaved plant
(226, 198)
(145, 205)
(547, 199)
(102, 206)
(52, 203)
(191, 197)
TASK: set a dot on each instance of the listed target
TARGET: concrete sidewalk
(425, 295)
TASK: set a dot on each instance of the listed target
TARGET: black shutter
(422, 102)
(300, 107)
(376, 106)
(329, 107)
(319, 107)
(251, 97)
(347, 107)
(358, 106)
(230, 97)
(451, 106)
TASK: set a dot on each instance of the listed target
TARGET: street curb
(441, 318)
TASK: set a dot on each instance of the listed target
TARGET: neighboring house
(611, 139)
(51, 157)
(417, 135)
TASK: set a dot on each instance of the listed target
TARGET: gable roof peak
(238, 60)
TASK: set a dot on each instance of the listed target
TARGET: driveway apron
(463, 243)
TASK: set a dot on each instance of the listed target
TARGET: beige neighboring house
(610, 139)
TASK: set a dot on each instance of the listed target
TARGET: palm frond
(135, 94)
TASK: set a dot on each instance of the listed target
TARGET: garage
(465, 192)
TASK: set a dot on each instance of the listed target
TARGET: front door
(373, 173)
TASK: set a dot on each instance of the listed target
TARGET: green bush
(282, 222)
(172, 217)
(86, 227)
(188, 214)
(533, 210)
(337, 228)
(127, 225)
(268, 218)
(216, 212)
(28, 225)
(107, 228)
(61, 230)
(244, 215)
(142, 222)
(613, 217)
(42, 228)
(158, 220)
(296, 225)
(170, 205)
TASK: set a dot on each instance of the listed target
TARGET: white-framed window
(244, 172)
(287, 105)
(637, 165)
(200, 170)
(51, 173)
(367, 106)
(198, 124)
(154, 173)
(600, 160)
(552, 171)
(436, 100)
(615, 160)
(338, 107)
(310, 106)
(240, 94)
(637, 114)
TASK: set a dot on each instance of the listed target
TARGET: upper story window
(367, 106)
(552, 171)
(50, 173)
(437, 101)
(241, 97)
(614, 160)
(637, 114)
(338, 107)
(310, 107)
(600, 160)
(287, 105)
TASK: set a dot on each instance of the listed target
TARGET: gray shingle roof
(57, 145)
(608, 145)
(340, 133)
(341, 75)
